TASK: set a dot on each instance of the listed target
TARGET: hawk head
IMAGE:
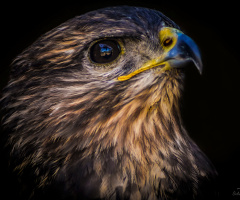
(92, 110)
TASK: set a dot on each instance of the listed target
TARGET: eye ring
(104, 51)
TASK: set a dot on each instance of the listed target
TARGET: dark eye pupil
(105, 51)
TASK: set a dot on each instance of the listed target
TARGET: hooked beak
(178, 50)
(184, 51)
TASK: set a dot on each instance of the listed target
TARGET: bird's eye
(167, 42)
(105, 51)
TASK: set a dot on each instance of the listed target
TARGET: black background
(211, 104)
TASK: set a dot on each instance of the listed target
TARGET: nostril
(167, 42)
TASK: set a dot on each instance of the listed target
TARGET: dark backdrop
(211, 104)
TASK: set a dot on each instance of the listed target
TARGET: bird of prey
(92, 111)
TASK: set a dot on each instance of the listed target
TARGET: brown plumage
(82, 127)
